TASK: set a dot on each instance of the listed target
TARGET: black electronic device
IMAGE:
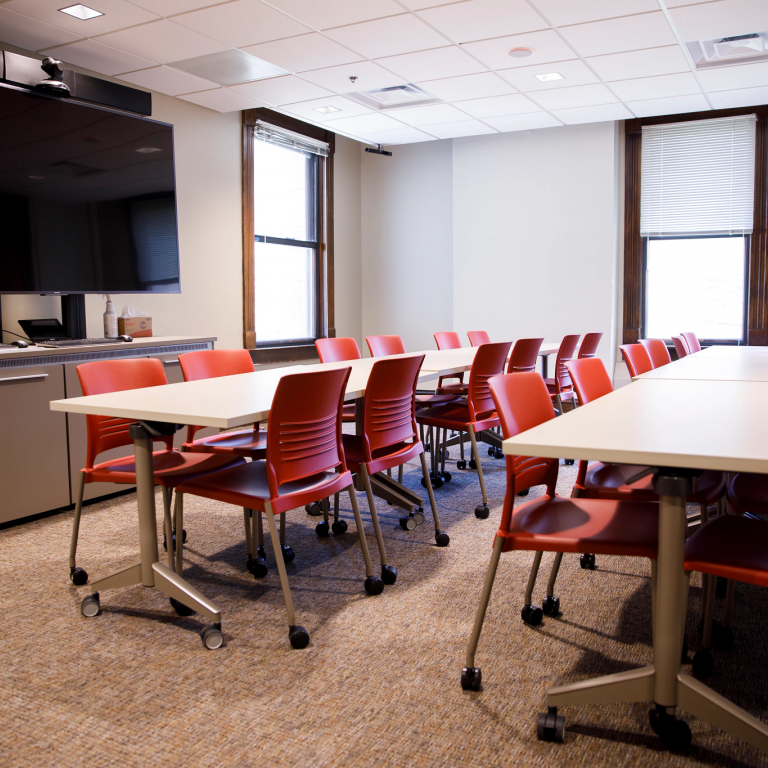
(125, 337)
(20, 343)
(48, 329)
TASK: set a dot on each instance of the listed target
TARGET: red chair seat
(730, 546)
(246, 442)
(398, 454)
(748, 493)
(453, 389)
(456, 416)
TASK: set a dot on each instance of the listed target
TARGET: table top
(695, 424)
(738, 364)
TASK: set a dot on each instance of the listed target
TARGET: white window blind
(698, 178)
(286, 138)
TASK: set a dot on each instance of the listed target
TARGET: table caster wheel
(418, 516)
(472, 464)
(471, 678)
(703, 663)
(288, 553)
(299, 637)
(498, 453)
(322, 529)
(180, 608)
(212, 637)
(90, 606)
(442, 539)
(675, 733)
(532, 614)
(388, 574)
(482, 511)
(446, 476)
(339, 527)
(724, 638)
(78, 576)
(373, 586)
(525, 492)
(461, 464)
(569, 462)
(257, 567)
(315, 510)
(587, 561)
(407, 523)
(550, 726)
(551, 606)
(722, 587)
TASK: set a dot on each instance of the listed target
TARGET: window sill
(262, 355)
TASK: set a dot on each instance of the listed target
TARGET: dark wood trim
(262, 355)
(633, 243)
(249, 310)
(757, 313)
(327, 251)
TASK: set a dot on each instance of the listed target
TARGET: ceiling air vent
(724, 51)
(395, 97)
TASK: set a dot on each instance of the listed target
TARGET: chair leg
(373, 585)
(335, 507)
(442, 539)
(442, 452)
(400, 474)
(728, 607)
(258, 533)
(179, 547)
(247, 521)
(481, 510)
(461, 445)
(654, 569)
(559, 405)
(77, 575)
(551, 604)
(388, 572)
(288, 553)
(170, 545)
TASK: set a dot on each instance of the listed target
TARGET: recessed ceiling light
(520, 53)
(147, 150)
(82, 12)
(549, 77)
(327, 110)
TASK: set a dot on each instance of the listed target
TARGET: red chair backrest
(337, 350)
(692, 342)
(212, 363)
(636, 358)
(389, 415)
(524, 355)
(380, 346)
(588, 347)
(448, 340)
(489, 361)
(657, 351)
(304, 431)
(564, 354)
(476, 338)
(590, 379)
(680, 346)
(106, 432)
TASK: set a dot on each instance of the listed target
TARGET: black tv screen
(87, 199)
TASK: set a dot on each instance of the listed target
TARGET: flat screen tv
(87, 199)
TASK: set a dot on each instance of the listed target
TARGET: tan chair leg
(247, 513)
(559, 405)
(442, 539)
(481, 510)
(169, 543)
(373, 585)
(388, 573)
(77, 575)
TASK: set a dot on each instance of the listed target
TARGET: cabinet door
(33, 442)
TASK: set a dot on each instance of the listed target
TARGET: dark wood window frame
(757, 296)
(325, 294)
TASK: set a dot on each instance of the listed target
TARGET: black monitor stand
(73, 315)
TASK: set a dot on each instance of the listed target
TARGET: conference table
(676, 426)
(715, 364)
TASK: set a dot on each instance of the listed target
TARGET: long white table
(737, 364)
(676, 426)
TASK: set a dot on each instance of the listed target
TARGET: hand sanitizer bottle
(110, 320)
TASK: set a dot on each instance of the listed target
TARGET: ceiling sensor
(520, 53)
(378, 151)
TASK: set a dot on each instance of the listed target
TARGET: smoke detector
(725, 51)
(394, 97)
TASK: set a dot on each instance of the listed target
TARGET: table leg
(544, 366)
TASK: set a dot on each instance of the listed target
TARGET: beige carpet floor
(378, 684)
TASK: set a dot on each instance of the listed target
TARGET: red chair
(477, 412)
(390, 439)
(692, 342)
(657, 351)
(589, 344)
(524, 355)
(637, 359)
(338, 350)
(305, 463)
(382, 346)
(559, 386)
(551, 523)
(680, 347)
(450, 340)
(478, 338)
(105, 433)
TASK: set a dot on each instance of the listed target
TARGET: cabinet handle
(171, 362)
(20, 378)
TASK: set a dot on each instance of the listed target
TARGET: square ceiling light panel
(529, 78)
(82, 12)
(228, 67)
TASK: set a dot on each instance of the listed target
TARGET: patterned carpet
(378, 684)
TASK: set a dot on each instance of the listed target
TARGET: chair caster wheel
(587, 562)
(498, 453)
(471, 678)
(447, 455)
(423, 483)
(442, 539)
(721, 590)
(212, 637)
(183, 538)
(461, 464)
(427, 448)
(288, 553)
(257, 567)
(315, 510)
(90, 606)
(550, 726)
(532, 614)
(703, 663)
(299, 637)
(724, 638)
(447, 476)
(180, 608)
(322, 529)
(407, 523)
(418, 516)
(525, 492)
(437, 482)
(373, 586)
(472, 464)
(482, 511)
(339, 527)
(551, 606)
(569, 462)
(78, 576)
(388, 574)
(675, 734)
(491, 451)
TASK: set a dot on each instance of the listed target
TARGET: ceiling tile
(417, 5)
(546, 47)
(656, 87)
(523, 122)
(458, 130)
(729, 78)
(162, 41)
(117, 14)
(98, 57)
(428, 65)
(436, 113)
(388, 37)
(669, 106)
(578, 96)
(222, 100)
(467, 87)
(676, 3)
(308, 109)
(498, 106)
(363, 124)
(281, 90)
(241, 23)
(324, 14)
(481, 19)
(400, 136)
(629, 33)
(720, 19)
(167, 80)
(648, 63)
(369, 76)
(172, 7)
(563, 12)
(524, 78)
(742, 97)
(29, 33)
(600, 114)
(302, 53)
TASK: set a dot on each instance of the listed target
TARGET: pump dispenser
(110, 320)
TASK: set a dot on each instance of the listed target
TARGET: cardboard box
(134, 326)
